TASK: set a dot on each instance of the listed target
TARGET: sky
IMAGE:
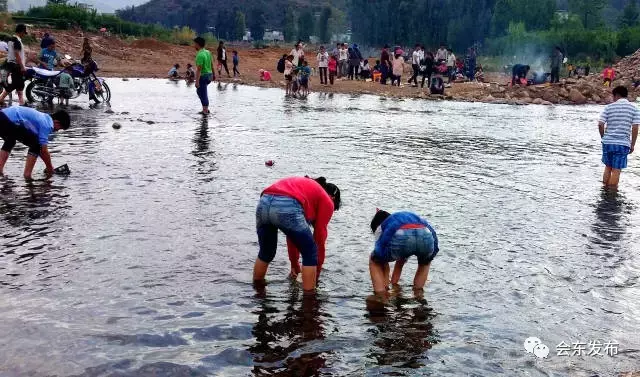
(106, 6)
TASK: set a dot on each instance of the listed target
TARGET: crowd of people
(346, 62)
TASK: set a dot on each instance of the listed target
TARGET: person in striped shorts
(619, 131)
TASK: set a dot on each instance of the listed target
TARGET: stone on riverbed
(576, 97)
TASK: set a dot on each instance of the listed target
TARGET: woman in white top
(298, 54)
(323, 65)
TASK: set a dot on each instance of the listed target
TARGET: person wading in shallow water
(32, 128)
(619, 131)
(399, 236)
(204, 73)
(291, 205)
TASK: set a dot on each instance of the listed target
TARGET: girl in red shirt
(291, 205)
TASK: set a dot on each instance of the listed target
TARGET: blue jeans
(205, 80)
(281, 212)
(407, 242)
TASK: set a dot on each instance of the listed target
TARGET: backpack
(281, 65)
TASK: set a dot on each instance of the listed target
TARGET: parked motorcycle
(44, 84)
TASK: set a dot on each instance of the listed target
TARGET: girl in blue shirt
(399, 236)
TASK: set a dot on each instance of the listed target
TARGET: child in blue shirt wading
(399, 236)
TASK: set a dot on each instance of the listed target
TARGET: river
(139, 263)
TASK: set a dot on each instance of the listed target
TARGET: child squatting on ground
(399, 236)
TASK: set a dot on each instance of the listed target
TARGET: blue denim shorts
(408, 242)
(615, 156)
(283, 213)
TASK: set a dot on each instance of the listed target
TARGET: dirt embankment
(149, 58)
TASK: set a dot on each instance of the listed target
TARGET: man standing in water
(32, 128)
(204, 73)
(619, 131)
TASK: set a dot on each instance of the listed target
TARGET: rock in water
(576, 97)
(125, 79)
(109, 111)
(150, 122)
(116, 126)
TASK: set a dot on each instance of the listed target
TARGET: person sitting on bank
(365, 70)
(32, 128)
(519, 73)
(190, 75)
(398, 237)
(173, 72)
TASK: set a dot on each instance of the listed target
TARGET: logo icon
(534, 345)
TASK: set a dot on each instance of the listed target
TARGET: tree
(289, 24)
(256, 23)
(305, 25)
(240, 26)
(323, 25)
(590, 11)
(630, 15)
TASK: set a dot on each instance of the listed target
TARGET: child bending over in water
(399, 236)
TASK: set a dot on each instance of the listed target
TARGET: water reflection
(205, 162)
(283, 337)
(403, 330)
(610, 221)
(30, 210)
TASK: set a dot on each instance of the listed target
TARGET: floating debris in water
(125, 79)
(269, 163)
(116, 126)
(151, 122)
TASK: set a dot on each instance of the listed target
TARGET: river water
(139, 263)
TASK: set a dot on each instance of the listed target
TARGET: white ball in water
(116, 126)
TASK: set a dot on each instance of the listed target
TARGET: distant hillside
(104, 6)
(192, 12)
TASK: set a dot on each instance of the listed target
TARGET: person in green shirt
(65, 85)
(204, 73)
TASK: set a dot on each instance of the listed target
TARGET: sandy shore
(149, 58)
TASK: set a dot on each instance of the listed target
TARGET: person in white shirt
(441, 55)
(365, 70)
(451, 65)
(323, 65)
(415, 64)
(16, 64)
(343, 62)
(298, 54)
(4, 46)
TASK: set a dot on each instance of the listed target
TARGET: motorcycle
(44, 84)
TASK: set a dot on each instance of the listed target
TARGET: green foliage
(72, 15)
(240, 26)
(628, 41)
(305, 25)
(630, 15)
(289, 24)
(590, 11)
(323, 25)
(257, 22)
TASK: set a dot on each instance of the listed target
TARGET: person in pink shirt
(291, 205)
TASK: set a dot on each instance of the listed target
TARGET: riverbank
(148, 58)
